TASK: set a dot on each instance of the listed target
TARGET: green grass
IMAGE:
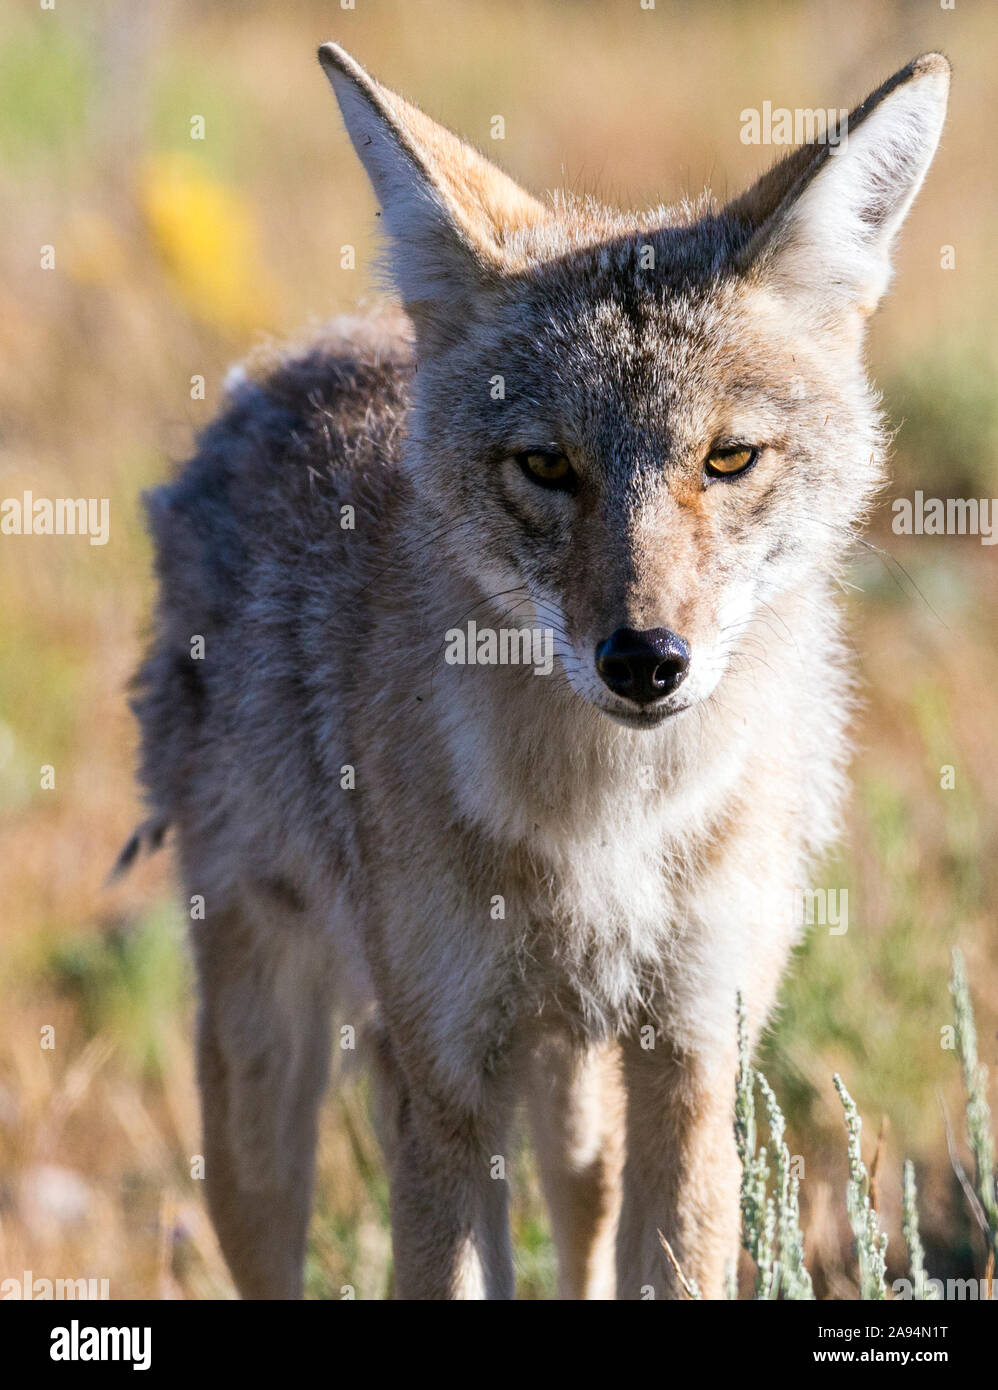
(47, 86)
(131, 983)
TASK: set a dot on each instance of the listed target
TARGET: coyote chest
(603, 846)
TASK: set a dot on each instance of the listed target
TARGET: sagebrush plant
(771, 1231)
(770, 1224)
(871, 1241)
(921, 1288)
(979, 1135)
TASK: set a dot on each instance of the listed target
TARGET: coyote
(650, 436)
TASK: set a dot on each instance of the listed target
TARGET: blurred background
(174, 256)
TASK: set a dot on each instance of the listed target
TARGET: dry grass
(173, 257)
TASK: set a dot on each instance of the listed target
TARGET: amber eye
(726, 463)
(549, 469)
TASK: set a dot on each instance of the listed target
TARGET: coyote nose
(643, 666)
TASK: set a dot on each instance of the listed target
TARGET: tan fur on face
(506, 893)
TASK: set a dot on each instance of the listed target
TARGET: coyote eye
(727, 463)
(549, 469)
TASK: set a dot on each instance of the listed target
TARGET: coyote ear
(451, 215)
(823, 221)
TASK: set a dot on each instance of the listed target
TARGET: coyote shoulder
(649, 438)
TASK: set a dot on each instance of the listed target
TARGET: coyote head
(640, 429)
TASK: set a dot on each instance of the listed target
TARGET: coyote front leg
(681, 1175)
(449, 1194)
(576, 1114)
